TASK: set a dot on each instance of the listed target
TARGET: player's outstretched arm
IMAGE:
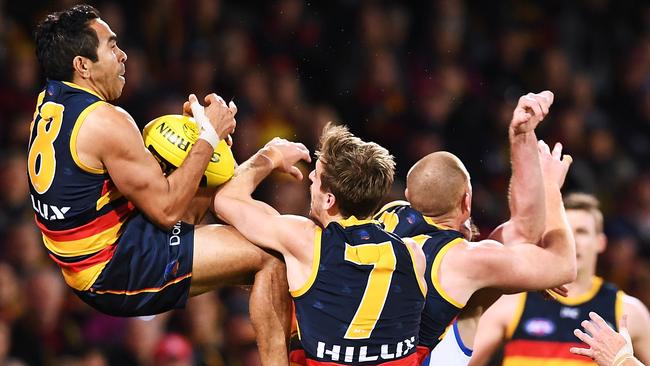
(526, 194)
(259, 224)
(110, 138)
(523, 267)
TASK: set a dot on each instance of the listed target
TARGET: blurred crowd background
(414, 76)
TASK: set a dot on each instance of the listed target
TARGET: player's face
(107, 74)
(317, 196)
(589, 242)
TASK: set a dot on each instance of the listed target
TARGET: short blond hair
(588, 203)
(358, 173)
(437, 183)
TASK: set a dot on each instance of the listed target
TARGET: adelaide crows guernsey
(362, 302)
(78, 209)
(440, 309)
(541, 331)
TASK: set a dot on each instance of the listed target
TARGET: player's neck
(88, 84)
(583, 284)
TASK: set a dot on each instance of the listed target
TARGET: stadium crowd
(437, 75)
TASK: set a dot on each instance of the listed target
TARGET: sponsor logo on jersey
(175, 237)
(410, 218)
(569, 312)
(539, 327)
(336, 352)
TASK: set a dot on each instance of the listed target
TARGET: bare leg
(271, 288)
(223, 256)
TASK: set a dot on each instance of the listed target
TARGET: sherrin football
(170, 137)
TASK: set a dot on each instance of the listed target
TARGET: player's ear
(330, 200)
(601, 242)
(406, 194)
(466, 202)
(81, 67)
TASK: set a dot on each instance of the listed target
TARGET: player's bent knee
(222, 256)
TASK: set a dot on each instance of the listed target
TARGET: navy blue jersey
(541, 331)
(363, 301)
(440, 309)
(79, 211)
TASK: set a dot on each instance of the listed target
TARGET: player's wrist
(209, 135)
(620, 360)
(272, 155)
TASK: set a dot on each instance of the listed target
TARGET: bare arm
(638, 326)
(492, 329)
(234, 204)
(526, 194)
(110, 138)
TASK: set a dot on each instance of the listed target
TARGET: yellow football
(170, 137)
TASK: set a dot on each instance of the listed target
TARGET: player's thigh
(223, 256)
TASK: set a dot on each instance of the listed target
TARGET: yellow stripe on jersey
(107, 198)
(39, 101)
(144, 290)
(532, 361)
(430, 221)
(73, 138)
(89, 245)
(516, 316)
(353, 221)
(394, 204)
(314, 265)
(73, 85)
(421, 282)
(618, 307)
(390, 221)
(84, 279)
(596, 283)
(434, 272)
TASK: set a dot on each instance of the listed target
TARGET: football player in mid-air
(110, 218)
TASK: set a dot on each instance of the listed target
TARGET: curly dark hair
(62, 36)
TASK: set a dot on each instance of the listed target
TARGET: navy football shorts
(150, 271)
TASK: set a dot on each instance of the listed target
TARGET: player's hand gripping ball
(170, 137)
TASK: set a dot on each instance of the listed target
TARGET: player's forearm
(558, 237)
(251, 173)
(526, 196)
(183, 183)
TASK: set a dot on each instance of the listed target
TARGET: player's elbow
(166, 217)
(570, 272)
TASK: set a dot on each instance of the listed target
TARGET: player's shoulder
(110, 120)
(392, 207)
(635, 308)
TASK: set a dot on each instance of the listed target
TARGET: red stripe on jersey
(96, 226)
(102, 256)
(541, 349)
